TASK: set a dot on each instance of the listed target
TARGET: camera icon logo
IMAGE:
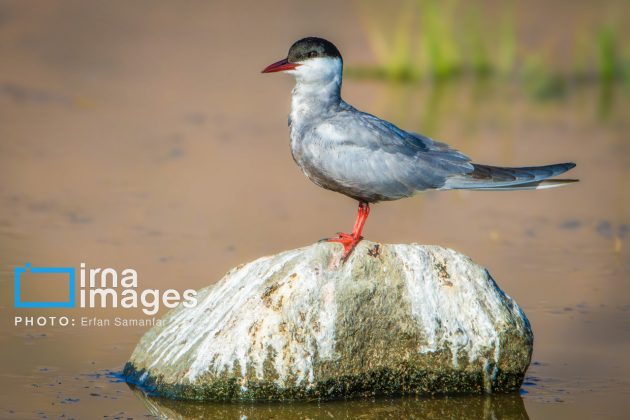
(18, 272)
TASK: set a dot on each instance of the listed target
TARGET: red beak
(281, 65)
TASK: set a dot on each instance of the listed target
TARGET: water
(144, 137)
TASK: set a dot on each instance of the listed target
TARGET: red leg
(350, 241)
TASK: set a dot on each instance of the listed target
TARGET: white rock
(393, 319)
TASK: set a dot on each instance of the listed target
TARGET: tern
(369, 159)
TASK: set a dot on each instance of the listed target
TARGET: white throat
(317, 88)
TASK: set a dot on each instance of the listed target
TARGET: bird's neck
(310, 99)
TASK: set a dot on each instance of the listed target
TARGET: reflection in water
(474, 407)
(112, 155)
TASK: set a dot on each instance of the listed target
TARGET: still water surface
(145, 137)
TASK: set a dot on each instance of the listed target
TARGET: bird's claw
(341, 235)
(349, 242)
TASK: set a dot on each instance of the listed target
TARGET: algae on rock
(392, 320)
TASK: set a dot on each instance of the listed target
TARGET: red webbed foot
(350, 241)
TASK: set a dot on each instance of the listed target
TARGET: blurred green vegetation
(440, 40)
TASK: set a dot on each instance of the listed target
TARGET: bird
(370, 160)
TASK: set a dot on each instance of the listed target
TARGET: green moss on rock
(401, 320)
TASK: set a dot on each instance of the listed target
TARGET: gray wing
(362, 156)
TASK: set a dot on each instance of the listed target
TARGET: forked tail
(496, 178)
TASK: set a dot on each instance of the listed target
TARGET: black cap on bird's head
(303, 50)
(312, 47)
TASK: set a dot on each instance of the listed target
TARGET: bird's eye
(312, 54)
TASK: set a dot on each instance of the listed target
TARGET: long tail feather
(496, 178)
(539, 185)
